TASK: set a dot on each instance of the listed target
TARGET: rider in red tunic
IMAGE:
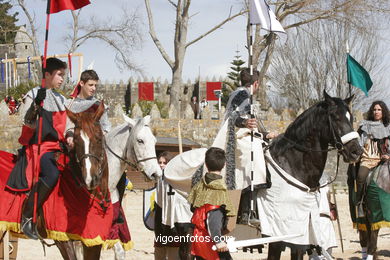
(211, 203)
(51, 138)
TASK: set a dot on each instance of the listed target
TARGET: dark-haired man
(51, 139)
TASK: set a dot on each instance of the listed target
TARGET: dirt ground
(143, 238)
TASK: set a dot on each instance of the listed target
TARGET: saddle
(381, 176)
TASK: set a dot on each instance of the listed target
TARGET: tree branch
(216, 27)
(154, 36)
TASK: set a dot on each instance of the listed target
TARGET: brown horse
(88, 162)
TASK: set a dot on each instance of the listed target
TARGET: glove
(41, 95)
(31, 115)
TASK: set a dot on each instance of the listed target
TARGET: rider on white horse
(83, 99)
(238, 112)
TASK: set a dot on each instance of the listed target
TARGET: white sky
(211, 55)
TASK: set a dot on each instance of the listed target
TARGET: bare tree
(296, 13)
(180, 42)
(32, 34)
(314, 59)
(123, 36)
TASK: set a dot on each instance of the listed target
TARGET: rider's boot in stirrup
(27, 225)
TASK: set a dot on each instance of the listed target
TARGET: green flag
(357, 75)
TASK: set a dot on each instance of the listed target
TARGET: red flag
(145, 91)
(76, 91)
(60, 5)
(211, 86)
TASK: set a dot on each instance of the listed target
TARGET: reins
(133, 165)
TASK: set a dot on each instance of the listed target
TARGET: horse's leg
(78, 247)
(92, 252)
(185, 247)
(372, 243)
(297, 254)
(274, 251)
(66, 249)
(119, 251)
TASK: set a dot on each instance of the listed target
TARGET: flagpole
(36, 170)
(349, 84)
(353, 167)
(251, 113)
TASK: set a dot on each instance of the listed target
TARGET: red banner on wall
(211, 86)
(145, 91)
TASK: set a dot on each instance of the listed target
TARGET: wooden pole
(6, 246)
(81, 61)
(6, 60)
(6, 73)
(338, 218)
(179, 130)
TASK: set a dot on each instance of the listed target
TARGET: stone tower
(23, 49)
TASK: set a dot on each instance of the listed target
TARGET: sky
(210, 57)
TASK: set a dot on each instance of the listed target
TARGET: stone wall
(201, 131)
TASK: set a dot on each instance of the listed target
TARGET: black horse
(302, 150)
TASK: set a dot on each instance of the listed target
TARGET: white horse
(129, 144)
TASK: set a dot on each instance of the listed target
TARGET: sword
(338, 219)
(233, 245)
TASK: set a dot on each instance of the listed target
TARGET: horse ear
(99, 112)
(72, 116)
(328, 98)
(349, 99)
(147, 120)
(129, 121)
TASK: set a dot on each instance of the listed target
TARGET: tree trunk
(176, 90)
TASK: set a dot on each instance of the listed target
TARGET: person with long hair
(374, 134)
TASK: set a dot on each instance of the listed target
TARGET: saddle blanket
(70, 212)
(286, 210)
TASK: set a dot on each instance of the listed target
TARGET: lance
(251, 115)
(353, 167)
(233, 245)
(36, 170)
(338, 219)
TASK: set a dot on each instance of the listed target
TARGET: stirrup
(253, 220)
(360, 210)
(28, 228)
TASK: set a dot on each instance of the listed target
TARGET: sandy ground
(143, 238)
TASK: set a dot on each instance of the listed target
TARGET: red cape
(70, 211)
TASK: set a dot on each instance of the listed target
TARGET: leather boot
(27, 226)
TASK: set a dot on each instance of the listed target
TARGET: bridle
(338, 144)
(100, 159)
(130, 163)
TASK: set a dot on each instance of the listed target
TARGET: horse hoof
(28, 228)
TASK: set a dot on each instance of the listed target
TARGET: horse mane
(89, 126)
(303, 126)
(307, 123)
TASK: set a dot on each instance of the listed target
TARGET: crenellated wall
(202, 131)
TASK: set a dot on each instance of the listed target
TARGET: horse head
(88, 154)
(141, 147)
(342, 135)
